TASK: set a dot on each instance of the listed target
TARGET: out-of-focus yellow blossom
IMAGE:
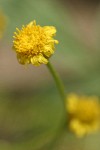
(34, 44)
(2, 23)
(84, 114)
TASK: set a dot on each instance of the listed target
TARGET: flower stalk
(58, 81)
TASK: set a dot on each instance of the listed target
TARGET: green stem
(61, 89)
(58, 82)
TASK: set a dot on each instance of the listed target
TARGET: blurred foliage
(30, 120)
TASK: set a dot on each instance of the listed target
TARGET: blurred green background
(31, 110)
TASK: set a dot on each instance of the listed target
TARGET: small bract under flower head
(84, 114)
(34, 44)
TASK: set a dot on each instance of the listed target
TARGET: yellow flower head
(2, 23)
(34, 44)
(84, 114)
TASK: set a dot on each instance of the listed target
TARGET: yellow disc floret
(34, 44)
(84, 114)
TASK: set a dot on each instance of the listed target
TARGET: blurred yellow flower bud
(84, 114)
(2, 23)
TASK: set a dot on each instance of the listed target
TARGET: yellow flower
(84, 114)
(2, 23)
(34, 44)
